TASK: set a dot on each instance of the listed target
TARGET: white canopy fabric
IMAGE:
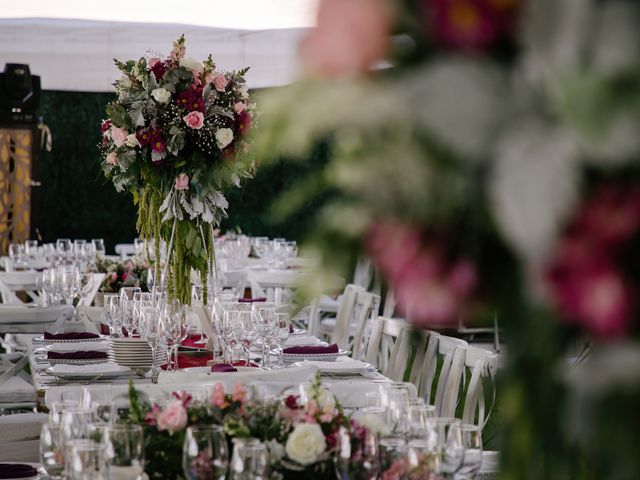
(77, 55)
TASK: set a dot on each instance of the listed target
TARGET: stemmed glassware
(113, 314)
(283, 328)
(472, 443)
(98, 247)
(175, 331)
(151, 328)
(70, 283)
(264, 318)
(124, 452)
(450, 448)
(205, 453)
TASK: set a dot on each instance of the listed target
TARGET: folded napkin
(77, 347)
(223, 367)
(17, 470)
(252, 300)
(70, 336)
(312, 349)
(75, 355)
(243, 363)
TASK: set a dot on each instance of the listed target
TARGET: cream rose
(132, 141)
(224, 136)
(112, 158)
(161, 95)
(306, 443)
(191, 64)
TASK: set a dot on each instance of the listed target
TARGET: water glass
(98, 246)
(250, 460)
(283, 326)
(205, 453)
(449, 447)
(358, 455)
(58, 408)
(85, 461)
(392, 449)
(124, 452)
(51, 450)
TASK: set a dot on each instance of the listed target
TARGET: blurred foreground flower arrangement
(486, 156)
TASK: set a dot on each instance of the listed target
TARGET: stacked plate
(134, 353)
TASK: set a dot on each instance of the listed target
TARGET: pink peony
(220, 82)
(173, 417)
(194, 120)
(119, 135)
(239, 107)
(350, 36)
(112, 159)
(182, 182)
(218, 398)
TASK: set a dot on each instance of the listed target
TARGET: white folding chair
(483, 365)
(386, 350)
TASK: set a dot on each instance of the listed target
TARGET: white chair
(483, 366)
(387, 350)
(19, 436)
(125, 249)
(352, 325)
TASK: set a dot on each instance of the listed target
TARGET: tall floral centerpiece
(174, 139)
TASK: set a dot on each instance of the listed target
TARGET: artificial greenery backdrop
(75, 200)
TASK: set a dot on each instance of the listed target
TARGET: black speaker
(19, 94)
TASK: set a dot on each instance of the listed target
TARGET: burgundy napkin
(76, 355)
(17, 470)
(194, 341)
(252, 300)
(222, 368)
(70, 336)
(312, 349)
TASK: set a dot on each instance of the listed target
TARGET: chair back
(483, 365)
(384, 347)
(355, 315)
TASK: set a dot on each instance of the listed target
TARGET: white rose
(244, 91)
(191, 64)
(132, 141)
(276, 451)
(306, 443)
(374, 423)
(162, 95)
(224, 136)
(326, 399)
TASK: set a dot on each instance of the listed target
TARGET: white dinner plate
(298, 357)
(112, 371)
(76, 361)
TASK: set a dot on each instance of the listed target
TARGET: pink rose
(349, 37)
(153, 62)
(239, 107)
(194, 120)
(173, 417)
(112, 159)
(239, 393)
(218, 398)
(119, 136)
(220, 82)
(182, 182)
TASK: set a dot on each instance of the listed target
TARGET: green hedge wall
(75, 200)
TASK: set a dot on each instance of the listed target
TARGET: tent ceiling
(76, 52)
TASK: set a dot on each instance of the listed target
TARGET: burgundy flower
(469, 24)
(292, 402)
(191, 99)
(106, 124)
(243, 122)
(159, 69)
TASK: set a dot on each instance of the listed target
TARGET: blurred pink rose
(119, 135)
(218, 398)
(239, 393)
(194, 120)
(112, 159)
(182, 182)
(173, 417)
(220, 82)
(239, 107)
(350, 36)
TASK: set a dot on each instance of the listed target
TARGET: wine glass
(51, 450)
(418, 419)
(98, 246)
(472, 443)
(87, 282)
(151, 327)
(70, 283)
(113, 314)
(124, 452)
(205, 453)
(15, 254)
(58, 408)
(283, 326)
(450, 448)
(246, 331)
(264, 318)
(229, 334)
(175, 331)
(392, 449)
(358, 455)
(250, 460)
(64, 248)
(31, 251)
